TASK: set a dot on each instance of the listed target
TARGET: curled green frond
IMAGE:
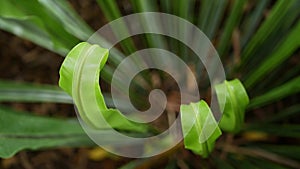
(235, 104)
(199, 128)
(79, 77)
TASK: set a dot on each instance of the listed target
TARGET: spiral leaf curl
(79, 72)
(199, 117)
(88, 60)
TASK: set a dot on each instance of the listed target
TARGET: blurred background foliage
(257, 40)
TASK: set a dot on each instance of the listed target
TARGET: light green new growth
(235, 105)
(79, 77)
(199, 126)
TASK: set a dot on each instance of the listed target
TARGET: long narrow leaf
(231, 22)
(111, 11)
(211, 14)
(284, 51)
(289, 88)
(19, 131)
(205, 7)
(270, 25)
(149, 6)
(281, 130)
(291, 151)
(32, 21)
(252, 21)
(11, 91)
(69, 18)
(285, 114)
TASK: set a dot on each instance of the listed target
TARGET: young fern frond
(200, 129)
(79, 77)
(198, 122)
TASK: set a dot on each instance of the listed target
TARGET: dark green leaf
(289, 88)
(231, 22)
(30, 20)
(270, 25)
(284, 51)
(291, 151)
(26, 92)
(282, 130)
(19, 131)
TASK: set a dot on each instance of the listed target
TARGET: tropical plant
(257, 41)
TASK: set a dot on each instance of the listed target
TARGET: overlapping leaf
(27, 92)
(199, 128)
(30, 20)
(79, 77)
(19, 131)
(235, 104)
